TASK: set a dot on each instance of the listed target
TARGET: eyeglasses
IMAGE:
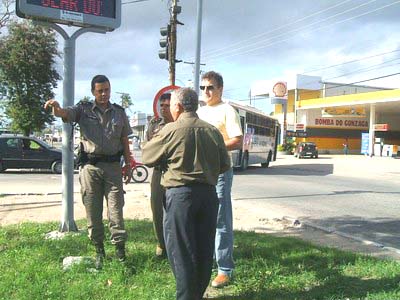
(208, 87)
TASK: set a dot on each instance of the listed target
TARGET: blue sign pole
(365, 143)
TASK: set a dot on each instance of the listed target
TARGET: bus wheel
(266, 164)
(245, 162)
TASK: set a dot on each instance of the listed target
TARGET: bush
(288, 147)
(281, 148)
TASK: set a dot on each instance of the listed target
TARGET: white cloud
(246, 41)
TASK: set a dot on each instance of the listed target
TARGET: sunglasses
(207, 87)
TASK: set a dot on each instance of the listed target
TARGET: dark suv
(306, 149)
(21, 152)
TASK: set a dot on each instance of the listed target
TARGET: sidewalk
(349, 165)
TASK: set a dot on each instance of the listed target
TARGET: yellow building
(337, 114)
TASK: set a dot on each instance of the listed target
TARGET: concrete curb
(332, 230)
(32, 194)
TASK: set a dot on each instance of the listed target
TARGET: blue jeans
(224, 233)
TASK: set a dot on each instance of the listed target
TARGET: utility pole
(198, 45)
(175, 10)
(194, 66)
(168, 40)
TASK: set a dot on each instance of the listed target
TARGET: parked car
(304, 149)
(21, 152)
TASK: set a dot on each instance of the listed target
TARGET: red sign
(300, 126)
(164, 90)
(321, 122)
(381, 127)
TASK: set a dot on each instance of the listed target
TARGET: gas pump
(378, 145)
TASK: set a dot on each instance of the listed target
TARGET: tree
(27, 75)
(126, 100)
(5, 12)
(85, 99)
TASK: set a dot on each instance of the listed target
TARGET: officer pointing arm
(104, 136)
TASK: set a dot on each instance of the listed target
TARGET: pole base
(68, 226)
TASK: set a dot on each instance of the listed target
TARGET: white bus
(260, 138)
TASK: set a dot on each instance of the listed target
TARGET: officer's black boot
(120, 252)
(100, 255)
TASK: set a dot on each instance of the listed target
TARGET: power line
(133, 1)
(351, 61)
(366, 80)
(363, 70)
(273, 30)
(283, 40)
(344, 63)
(368, 69)
(335, 85)
(300, 28)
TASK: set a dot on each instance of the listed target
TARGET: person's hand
(51, 103)
(127, 173)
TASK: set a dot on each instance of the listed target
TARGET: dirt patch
(15, 209)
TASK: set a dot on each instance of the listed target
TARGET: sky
(247, 42)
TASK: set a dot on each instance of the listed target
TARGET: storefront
(340, 121)
(336, 116)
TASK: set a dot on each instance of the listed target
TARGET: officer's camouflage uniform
(101, 133)
(157, 190)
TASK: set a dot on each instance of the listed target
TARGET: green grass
(266, 268)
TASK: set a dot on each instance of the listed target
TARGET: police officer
(157, 190)
(104, 133)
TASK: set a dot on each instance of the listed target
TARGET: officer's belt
(95, 158)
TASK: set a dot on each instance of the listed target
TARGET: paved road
(356, 196)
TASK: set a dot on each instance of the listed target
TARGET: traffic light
(164, 42)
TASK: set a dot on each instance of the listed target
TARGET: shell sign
(280, 89)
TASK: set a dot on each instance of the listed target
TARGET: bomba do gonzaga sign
(339, 123)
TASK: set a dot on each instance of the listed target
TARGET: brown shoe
(220, 281)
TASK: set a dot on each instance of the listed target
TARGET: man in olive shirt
(104, 136)
(193, 154)
(157, 196)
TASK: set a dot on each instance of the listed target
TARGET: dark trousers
(189, 232)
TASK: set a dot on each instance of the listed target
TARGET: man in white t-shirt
(225, 118)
